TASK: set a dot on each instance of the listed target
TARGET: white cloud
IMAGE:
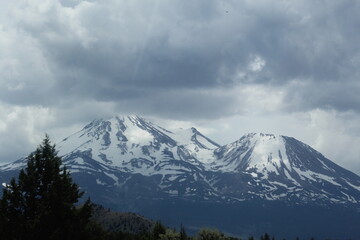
(257, 64)
(21, 130)
(336, 135)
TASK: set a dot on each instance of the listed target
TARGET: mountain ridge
(180, 176)
(268, 166)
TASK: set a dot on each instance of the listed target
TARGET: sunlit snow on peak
(138, 135)
(268, 151)
(265, 166)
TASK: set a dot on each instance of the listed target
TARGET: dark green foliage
(183, 235)
(170, 234)
(125, 236)
(40, 205)
(231, 238)
(210, 234)
(120, 222)
(157, 230)
(265, 237)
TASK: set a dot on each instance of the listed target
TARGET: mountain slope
(283, 168)
(131, 144)
(130, 164)
(120, 152)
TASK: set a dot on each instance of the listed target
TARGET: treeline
(160, 232)
(41, 204)
(140, 228)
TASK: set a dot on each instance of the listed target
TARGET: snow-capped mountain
(132, 144)
(128, 163)
(284, 168)
(118, 152)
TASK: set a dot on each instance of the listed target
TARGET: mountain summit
(187, 164)
(284, 168)
(128, 163)
(133, 145)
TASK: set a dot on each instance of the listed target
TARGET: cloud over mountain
(203, 60)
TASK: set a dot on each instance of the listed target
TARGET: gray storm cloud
(190, 60)
(122, 51)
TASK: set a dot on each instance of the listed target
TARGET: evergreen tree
(265, 237)
(158, 230)
(40, 205)
(170, 235)
(183, 235)
(210, 234)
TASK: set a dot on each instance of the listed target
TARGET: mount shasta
(128, 163)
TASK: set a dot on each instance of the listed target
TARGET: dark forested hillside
(121, 222)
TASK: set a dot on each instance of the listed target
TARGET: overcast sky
(228, 67)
